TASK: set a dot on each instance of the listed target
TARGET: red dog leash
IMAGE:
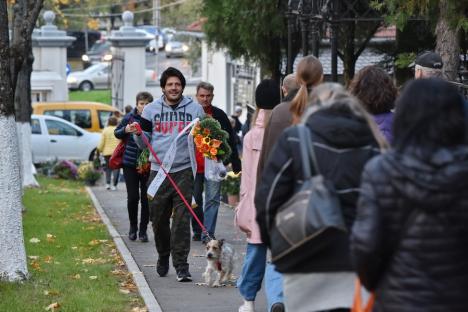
(147, 143)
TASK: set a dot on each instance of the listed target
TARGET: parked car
(98, 76)
(91, 116)
(54, 138)
(100, 52)
(179, 46)
(154, 31)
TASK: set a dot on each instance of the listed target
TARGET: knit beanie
(267, 94)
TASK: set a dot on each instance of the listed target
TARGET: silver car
(98, 76)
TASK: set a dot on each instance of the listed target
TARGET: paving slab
(173, 296)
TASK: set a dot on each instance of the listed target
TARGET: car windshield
(181, 38)
(99, 47)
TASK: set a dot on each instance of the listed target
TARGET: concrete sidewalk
(171, 295)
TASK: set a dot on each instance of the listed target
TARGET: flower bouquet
(212, 142)
(143, 163)
(65, 169)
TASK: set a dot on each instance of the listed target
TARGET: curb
(148, 297)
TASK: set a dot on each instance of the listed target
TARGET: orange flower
(213, 151)
(198, 140)
(205, 148)
(214, 158)
(206, 131)
(215, 143)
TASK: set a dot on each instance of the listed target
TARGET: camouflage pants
(172, 240)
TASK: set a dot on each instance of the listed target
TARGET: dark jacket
(418, 263)
(223, 120)
(132, 151)
(343, 144)
(281, 118)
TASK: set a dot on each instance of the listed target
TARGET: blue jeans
(210, 209)
(273, 285)
(253, 270)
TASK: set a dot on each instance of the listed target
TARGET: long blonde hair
(329, 95)
(309, 73)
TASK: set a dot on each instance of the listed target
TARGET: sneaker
(183, 275)
(277, 307)
(107, 186)
(113, 188)
(162, 267)
(248, 306)
(143, 237)
(196, 237)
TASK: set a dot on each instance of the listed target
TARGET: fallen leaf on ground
(124, 291)
(118, 272)
(51, 292)
(74, 247)
(33, 257)
(93, 277)
(34, 240)
(76, 276)
(48, 259)
(50, 238)
(53, 306)
(35, 265)
(138, 309)
(94, 242)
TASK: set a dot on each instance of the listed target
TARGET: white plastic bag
(214, 170)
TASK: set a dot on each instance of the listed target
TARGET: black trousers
(136, 190)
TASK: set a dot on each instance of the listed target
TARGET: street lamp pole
(156, 22)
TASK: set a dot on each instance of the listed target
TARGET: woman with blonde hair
(344, 137)
(309, 73)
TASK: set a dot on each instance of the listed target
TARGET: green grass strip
(101, 96)
(75, 263)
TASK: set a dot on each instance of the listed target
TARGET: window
(55, 127)
(35, 126)
(80, 117)
(103, 118)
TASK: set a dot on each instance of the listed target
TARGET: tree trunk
(349, 59)
(448, 45)
(13, 265)
(23, 111)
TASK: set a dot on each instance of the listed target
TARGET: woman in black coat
(343, 142)
(410, 238)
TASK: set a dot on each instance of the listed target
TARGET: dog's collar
(218, 265)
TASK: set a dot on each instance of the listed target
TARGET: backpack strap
(307, 151)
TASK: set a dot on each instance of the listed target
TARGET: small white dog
(220, 257)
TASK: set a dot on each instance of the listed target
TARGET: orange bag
(357, 302)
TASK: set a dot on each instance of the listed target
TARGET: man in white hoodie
(166, 119)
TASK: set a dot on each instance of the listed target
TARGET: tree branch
(365, 42)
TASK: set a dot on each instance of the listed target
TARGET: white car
(98, 76)
(55, 138)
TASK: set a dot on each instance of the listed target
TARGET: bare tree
(15, 59)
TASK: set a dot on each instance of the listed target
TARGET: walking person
(409, 239)
(106, 147)
(134, 181)
(344, 139)
(165, 119)
(377, 92)
(207, 211)
(267, 96)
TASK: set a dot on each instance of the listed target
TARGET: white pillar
(128, 74)
(50, 55)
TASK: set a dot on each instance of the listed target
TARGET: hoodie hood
(431, 180)
(340, 129)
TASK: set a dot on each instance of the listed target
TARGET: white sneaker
(113, 188)
(108, 187)
(248, 306)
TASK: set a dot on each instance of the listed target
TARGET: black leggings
(136, 189)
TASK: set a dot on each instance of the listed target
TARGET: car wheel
(92, 155)
(86, 86)
(168, 56)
